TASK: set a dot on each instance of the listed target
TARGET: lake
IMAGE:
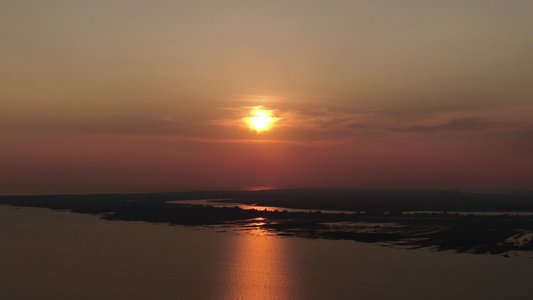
(60, 255)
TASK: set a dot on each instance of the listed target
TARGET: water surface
(59, 255)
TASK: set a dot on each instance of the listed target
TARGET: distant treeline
(393, 201)
(316, 199)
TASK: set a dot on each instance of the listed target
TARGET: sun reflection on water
(258, 267)
(258, 222)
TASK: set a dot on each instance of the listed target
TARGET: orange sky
(394, 94)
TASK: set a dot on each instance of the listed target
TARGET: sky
(364, 94)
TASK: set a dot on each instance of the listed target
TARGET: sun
(260, 120)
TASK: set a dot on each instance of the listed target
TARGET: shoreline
(478, 234)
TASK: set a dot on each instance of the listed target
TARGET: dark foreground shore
(377, 216)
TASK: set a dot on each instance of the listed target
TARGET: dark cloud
(463, 124)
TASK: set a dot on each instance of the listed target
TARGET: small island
(443, 220)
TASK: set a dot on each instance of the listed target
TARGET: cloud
(462, 124)
(301, 125)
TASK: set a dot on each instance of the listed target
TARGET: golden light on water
(260, 119)
(258, 268)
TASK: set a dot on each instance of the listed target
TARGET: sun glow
(260, 120)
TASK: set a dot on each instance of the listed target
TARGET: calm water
(57, 255)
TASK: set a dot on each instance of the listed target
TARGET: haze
(388, 94)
